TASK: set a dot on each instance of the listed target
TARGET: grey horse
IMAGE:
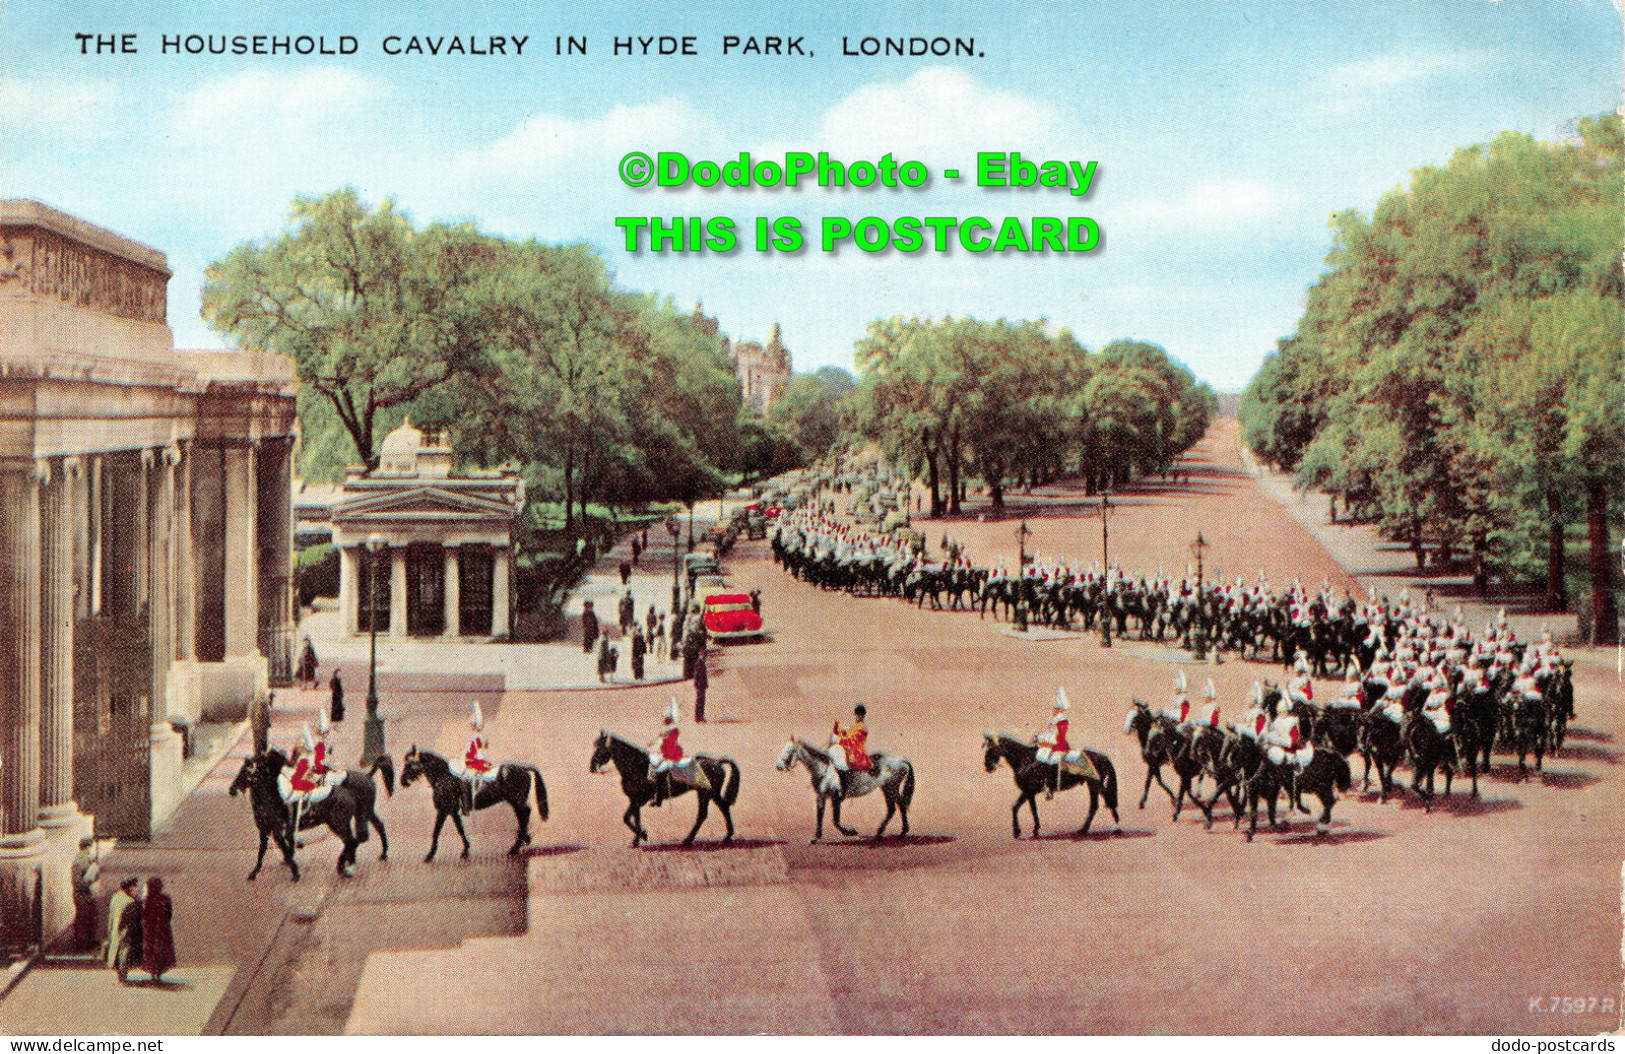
(891, 773)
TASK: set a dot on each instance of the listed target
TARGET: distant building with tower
(761, 370)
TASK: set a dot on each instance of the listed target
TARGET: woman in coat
(124, 930)
(157, 939)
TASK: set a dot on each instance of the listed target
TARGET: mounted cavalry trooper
(1436, 707)
(1207, 716)
(1255, 718)
(1055, 751)
(477, 766)
(848, 750)
(304, 784)
(1286, 744)
(1178, 709)
(1353, 695)
(1393, 700)
(1300, 689)
(666, 759)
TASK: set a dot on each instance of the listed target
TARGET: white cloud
(64, 108)
(1212, 204)
(1352, 85)
(938, 114)
(544, 144)
(262, 109)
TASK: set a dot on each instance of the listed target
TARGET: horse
(1382, 748)
(892, 775)
(1157, 751)
(346, 811)
(1032, 776)
(1325, 775)
(1529, 731)
(637, 783)
(512, 784)
(1207, 750)
(1429, 750)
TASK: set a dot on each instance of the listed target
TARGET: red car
(730, 616)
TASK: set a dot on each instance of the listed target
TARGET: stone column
(349, 589)
(21, 845)
(453, 591)
(397, 591)
(185, 562)
(499, 591)
(241, 582)
(57, 807)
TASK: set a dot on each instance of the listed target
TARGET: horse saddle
(688, 771)
(285, 785)
(1082, 767)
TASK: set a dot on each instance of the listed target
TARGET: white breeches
(1280, 755)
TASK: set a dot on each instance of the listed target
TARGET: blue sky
(1225, 135)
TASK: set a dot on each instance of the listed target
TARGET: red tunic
(318, 765)
(853, 741)
(668, 746)
(301, 776)
(475, 757)
(1060, 745)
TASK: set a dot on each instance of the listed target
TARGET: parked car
(730, 616)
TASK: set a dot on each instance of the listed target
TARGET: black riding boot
(1053, 782)
(662, 789)
(468, 796)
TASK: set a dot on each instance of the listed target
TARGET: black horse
(347, 810)
(1033, 777)
(1382, 747)
(632, 763)
(1429, 751)
(512, 785)
(1325, 775)
(1167, 747)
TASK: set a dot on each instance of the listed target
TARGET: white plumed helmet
(1211, 692)
(322, 725)
(1179, 679)
(671, 711)
(305, 738)
(1060, 700)
(477, 719)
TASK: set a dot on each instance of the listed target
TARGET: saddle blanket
(471, 774)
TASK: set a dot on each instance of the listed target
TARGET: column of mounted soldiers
(1403, 664)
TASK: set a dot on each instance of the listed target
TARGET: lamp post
(372, 738)
(1199, 651)
(1022, 534)
(691, 526)
(676, 590)
(1106, 569)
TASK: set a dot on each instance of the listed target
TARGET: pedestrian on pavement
(157, 939)
(649, 625)
(607, 658)
(306, 672)
(124, 929)
(628, 612)
(646, 539)
(639, 648)
(335, 706)
(87, 883)
(626, 573)
(589, 627)
(637, 550)
(676, 648)
(756, 601)
(259, 720)
(702, 679)
(661, 647)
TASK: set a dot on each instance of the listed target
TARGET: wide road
(1471, 918)
(1399, 921)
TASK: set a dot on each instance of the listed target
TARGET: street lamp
(676, 590)
(372, 739)
(1106, 566)
(1200, 649)
(691, 526)
(1022, 534)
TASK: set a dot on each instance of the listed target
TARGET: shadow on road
(713, 847)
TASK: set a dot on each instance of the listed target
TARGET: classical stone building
(762, 371)
(145, 539)
(430, 552)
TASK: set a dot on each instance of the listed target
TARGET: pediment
(422, 502)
